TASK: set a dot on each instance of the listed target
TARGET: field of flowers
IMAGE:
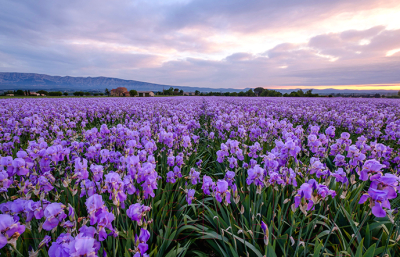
(199, 176)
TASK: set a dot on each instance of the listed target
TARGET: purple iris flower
(171, 160)
(129, 185)
(81, 169)
(9, 229)
(97, 171)
(340, 176)
(137, 211)
(263, 227)
(179, 160)
(370, 167)
(132, 164)
(207, 184)
(190, 196)
(194, 176)
(221, 191)
(115, 187)
(104, 220)
(45, 241)
(232, 162)
(378, 200)
(230, 177)
(105, 155)
(330, 131)
(171, 177)
(88, 188)
(60, 248)
(82, 246)
(20, 167)
(305, 192)
(142, 247)
(269, 162)
(255, 175)
(339, 160)
(54, 214)
(388, 183)
(5, 182)
(292, 148)
(177, 172)
(45, 185)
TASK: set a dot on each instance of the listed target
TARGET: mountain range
(34, 81)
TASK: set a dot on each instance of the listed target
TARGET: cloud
(226, 43)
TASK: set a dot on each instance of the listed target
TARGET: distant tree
(29, 92)
(78, 93)
(42, 92)
(19, 92)
(227, 94)
(55, 93)
(133, 92)
(65, 93)
(176, 91)
(233, 94)
(87, 93)
(181, 92)
(107, 92)
(398, 93)
(270, 92)
(241, 93)
(249, 92)
(101, 94)
(330, 96)
(201, 94)
(258, 90)
(197, 92)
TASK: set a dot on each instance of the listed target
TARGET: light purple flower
(378, 200)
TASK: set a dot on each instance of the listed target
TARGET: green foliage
(55, 93)
(42, 92)
(19, 92)
(78, 93)
(300, 93)
(133, 92)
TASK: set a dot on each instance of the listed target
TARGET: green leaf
(360, 249)
(370, 252)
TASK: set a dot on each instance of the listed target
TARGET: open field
(199, 176)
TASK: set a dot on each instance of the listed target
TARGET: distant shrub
(55, 93)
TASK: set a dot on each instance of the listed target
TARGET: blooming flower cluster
(88, 172)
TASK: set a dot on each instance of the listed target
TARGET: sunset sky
(207, 43)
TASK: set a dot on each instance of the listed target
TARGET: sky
(287, 44)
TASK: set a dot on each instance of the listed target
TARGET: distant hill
(33, 81)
